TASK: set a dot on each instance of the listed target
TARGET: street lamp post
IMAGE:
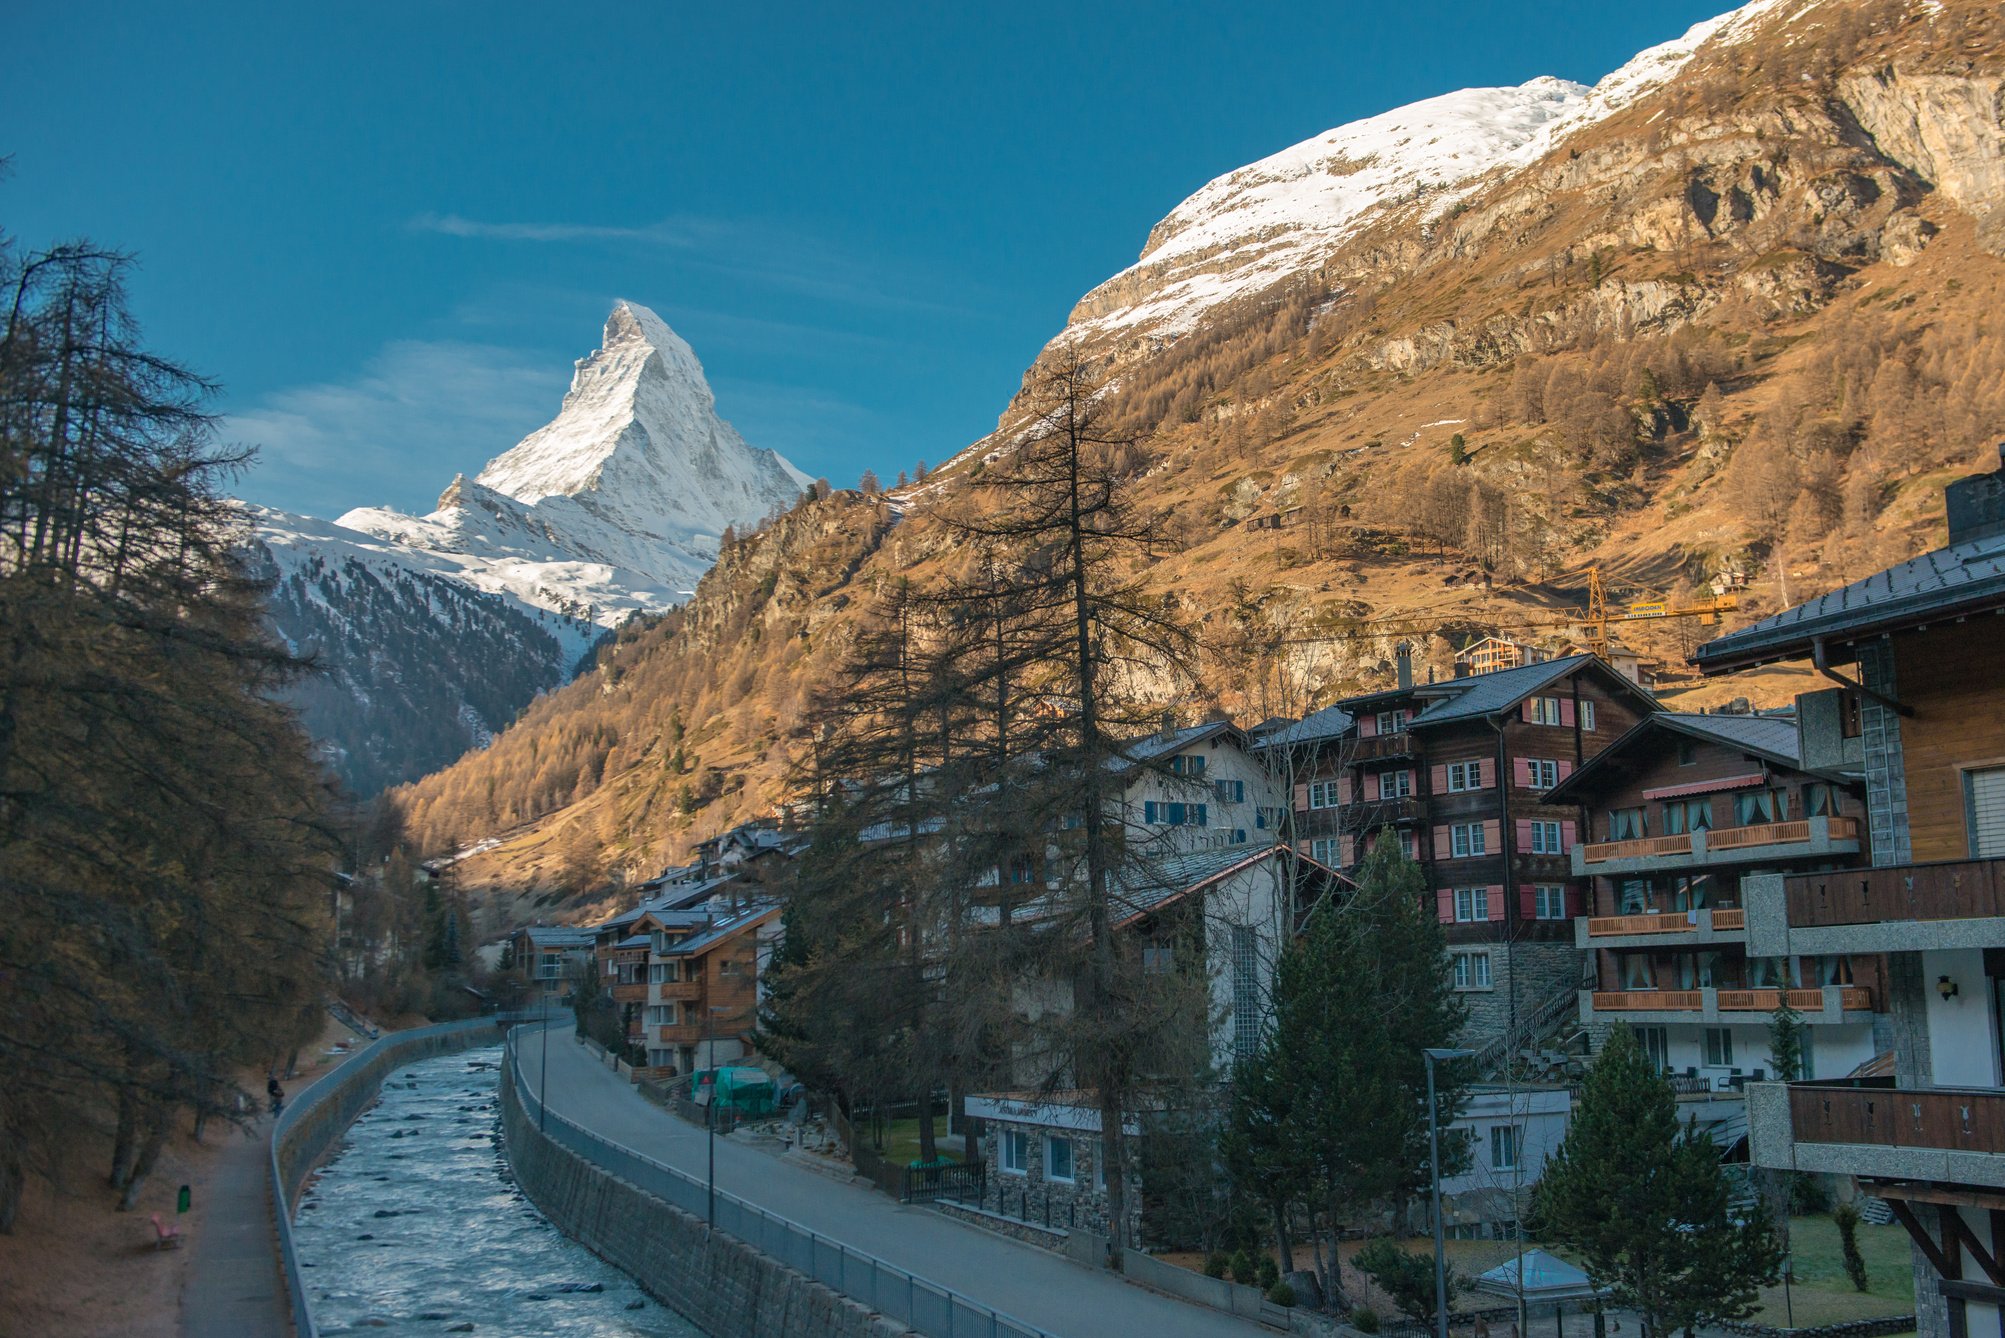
(1434, 1186)
(543, 1083)
(710, 1106)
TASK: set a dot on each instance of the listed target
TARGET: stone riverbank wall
(716, 1281)
(311, 1126)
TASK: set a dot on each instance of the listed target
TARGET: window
(1472, 904)
(1229, 791)
(1632, 896)
(1543, 773)
(1322, 794)
(1818, 801)
(1587, 715)
(1549, 901)
(1504, 1142)
(1407, 844)
(1327, 850)
(1465, 839)
(1546, 838)
(1391, 722)
(1851, 722)
(1806, 1069)
(1545, 711)
(1656, 1043)
(1058, 1159)
(1688, 752)
(1755, 806)
(1984, 811)
(1245, 991)
(1690, 815)
(1022, 869)
(1187, 764)
(1174, 814)
(1157, 961)
(1267, 819)
(1014, 1152)
(1464, 776)
(1395, 785)
(1719, 1047)
(1626, 824)
(1471, 969)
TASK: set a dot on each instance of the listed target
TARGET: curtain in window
(1637, 973)
(1817, 800)
(1635, 896)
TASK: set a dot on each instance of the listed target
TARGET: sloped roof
(706, 939)
(1150, 885)
(1488, 694)
(1547, 1277)
(1329, 723)
(1149, 747)
(1960, 579)
(560, 936)
(1773, 737)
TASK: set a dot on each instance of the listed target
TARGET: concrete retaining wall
(717, 1282)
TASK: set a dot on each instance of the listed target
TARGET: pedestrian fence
(925, 1307)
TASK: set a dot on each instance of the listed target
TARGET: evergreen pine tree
(1645, 1206)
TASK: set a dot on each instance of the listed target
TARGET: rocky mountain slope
(434, 631)
(1726, 321)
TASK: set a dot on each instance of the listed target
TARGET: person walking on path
(275, 1092)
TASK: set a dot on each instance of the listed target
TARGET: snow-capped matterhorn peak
(619, 502)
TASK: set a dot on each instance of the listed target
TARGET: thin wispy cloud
(416, 413)
(665, 233)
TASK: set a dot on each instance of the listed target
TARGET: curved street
(1032, 1284)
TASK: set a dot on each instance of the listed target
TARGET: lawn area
(901, 1141)
(1821, 1291)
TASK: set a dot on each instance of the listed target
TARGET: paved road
(233, 1288)
(1032, 1284)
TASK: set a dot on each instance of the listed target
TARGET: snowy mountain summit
(433, 631)
(619, 502)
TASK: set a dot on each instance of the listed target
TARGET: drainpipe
(1505, 838)
(1822, 664)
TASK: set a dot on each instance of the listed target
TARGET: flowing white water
(416, 1227)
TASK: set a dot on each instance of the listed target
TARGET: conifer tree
(1645, 1206)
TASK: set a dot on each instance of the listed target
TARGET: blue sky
(388, 229)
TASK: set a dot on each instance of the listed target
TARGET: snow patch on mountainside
(1285, 214)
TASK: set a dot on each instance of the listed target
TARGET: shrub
(1364, 1321)
(1215, 1264)
(1267, 1272)
(1406, 1278)
(1847, 1218)
(1281, 1294)
(1242, 1267)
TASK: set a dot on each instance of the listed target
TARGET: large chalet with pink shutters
(1456, 772)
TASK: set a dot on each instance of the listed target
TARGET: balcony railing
(1729, 917)
(1377, 747)
(1367, 814)
(1957, 890)
(1674, 922)
(676, 991)
(1710, 841)
(1851, 999)
(1648, 1001)
(629, 991)
(1944, 1118)
(1642, 847)
(680, 1034)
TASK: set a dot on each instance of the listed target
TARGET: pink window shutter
(1493, 836)
(1444, 905)
(1343, 789)
(1486, 773)
(1524, 835)
(1528, 902)
(1371, 786)
(1443, 848)
(1438, 778)
(1302, 798)
(1367, 726)
(1573, 900)
(1347, 850)
(1568, 835)
(1525, 710)
(1565, 769)
(1566, 710)
(1521, 772)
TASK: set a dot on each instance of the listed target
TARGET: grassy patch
(901, 1141)
(1821, 1291)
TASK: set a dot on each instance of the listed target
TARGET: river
(416, 1227)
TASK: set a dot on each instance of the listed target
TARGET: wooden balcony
(1943, 1119)
(1709, 1003)
(1609, 926)
(1371, 814)
(1807, 838)
(1956, 890)
(630, 992)
(1643, 847)
(1648, 1001)
(677, 991)
(681, 1034)
(1729, 917)
(1378, 747)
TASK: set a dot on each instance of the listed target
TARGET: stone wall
(717, 1282)
(1522, 975)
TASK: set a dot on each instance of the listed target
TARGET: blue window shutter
(1176, 814)
(1203, 816)
(1148, 810)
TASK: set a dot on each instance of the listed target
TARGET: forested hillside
(1734, 333)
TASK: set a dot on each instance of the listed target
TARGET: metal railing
(926, 1307)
